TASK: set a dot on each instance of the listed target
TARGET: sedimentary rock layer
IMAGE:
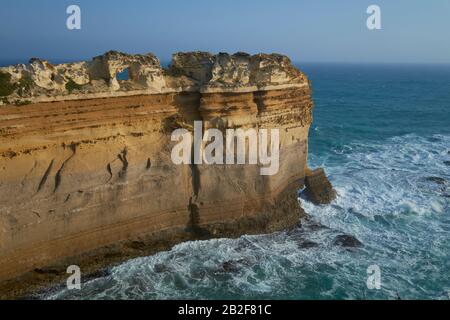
(86, 175)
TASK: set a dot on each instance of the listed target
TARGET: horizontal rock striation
(86, 176)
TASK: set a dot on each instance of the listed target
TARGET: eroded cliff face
(86, 175)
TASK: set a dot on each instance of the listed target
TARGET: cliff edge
(86, 174)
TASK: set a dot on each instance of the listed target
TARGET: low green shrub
(22, 102)
(72, 85)
(24, 86)
(6, 87)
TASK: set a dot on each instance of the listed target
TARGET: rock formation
(318, 187)
(86, 176)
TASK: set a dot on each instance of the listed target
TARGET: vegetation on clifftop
(6, 87)
(72, 85)
(24, 85)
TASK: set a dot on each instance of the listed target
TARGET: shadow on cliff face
(193, 226)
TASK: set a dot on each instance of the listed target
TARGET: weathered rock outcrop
(86, 176)
(318, 188)
(203, 72)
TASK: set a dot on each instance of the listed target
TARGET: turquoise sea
(382, 132)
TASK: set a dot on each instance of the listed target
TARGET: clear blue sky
(327, 30)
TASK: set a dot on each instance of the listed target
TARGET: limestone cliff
(86, 176)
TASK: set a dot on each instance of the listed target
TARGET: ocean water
(383, 134)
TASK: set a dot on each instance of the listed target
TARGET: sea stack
(86, 176)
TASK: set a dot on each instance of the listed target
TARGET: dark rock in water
(245, 262)
(160, 268)
(307, 244)
(317, 226)
(198, 274)
(447, 163)
(437, 180)
(347, 241)
(230, 266)
(434, 139)
(318, 187)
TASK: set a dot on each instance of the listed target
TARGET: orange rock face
(90, 181)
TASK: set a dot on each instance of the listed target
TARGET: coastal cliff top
(41, 81)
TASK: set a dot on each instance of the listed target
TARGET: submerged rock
(230, 266)
(347, 241)
(447, 163)
(307, 244)
(317, 226)
(160, 268)
(437, 180)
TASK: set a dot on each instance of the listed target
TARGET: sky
(413, 31)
